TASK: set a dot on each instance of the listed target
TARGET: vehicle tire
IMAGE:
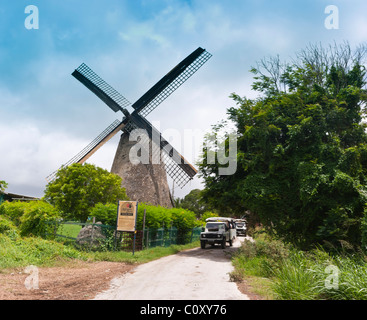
(202, 244)
(223, 244)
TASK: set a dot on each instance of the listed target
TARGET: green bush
(13, 210)
(156, 217)
(38, 219)
(31, 218)
(105, 213)
(261, 258)
(6, 225)
(8, 228)
(184, 221)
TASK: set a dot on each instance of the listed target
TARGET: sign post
(127, 212)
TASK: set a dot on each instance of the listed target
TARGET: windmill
(144, 182)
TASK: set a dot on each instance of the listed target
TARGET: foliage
(3, 186)
(184, 221)
(22, 252)
(6, 226)
(156, 217)
(193, 202)
(207, 215)
(105, 213)
(39, 219)
(302, 149)
(31, 218)
(13, 210)
(78, 188)
(302, 275)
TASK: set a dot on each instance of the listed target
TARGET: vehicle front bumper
(211, 238)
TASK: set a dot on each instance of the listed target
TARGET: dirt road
(195, 274)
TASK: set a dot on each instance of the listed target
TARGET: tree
(302, 148)
(3, 186)
(193, 202)
(78, 188)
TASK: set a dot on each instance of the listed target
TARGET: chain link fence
(97, 236)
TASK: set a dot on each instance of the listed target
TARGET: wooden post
(92, 235)
(134, 242)
(145, 211)
(147, 238)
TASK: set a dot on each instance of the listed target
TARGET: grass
(20, 252)
(16, 251)
(276, 271)
(69, 230)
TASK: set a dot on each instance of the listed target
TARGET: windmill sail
(91, 148)
(171, 81)
(100, 88)
(177, 167)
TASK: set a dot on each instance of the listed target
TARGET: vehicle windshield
(212, 226)
(239, 224)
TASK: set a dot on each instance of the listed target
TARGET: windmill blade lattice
(175, 164)
(170, 82)
(101, 88)
(91, 148)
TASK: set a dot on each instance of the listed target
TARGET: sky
(47, 116)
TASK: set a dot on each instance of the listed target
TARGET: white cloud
(29, 155)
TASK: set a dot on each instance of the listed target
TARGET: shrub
(156, 217)
(105, 213)
(31, 218)
(38, 219)
(184, 221)
(13, 210)
(6, 225)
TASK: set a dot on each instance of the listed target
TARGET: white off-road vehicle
(218, 230)
(241, 227)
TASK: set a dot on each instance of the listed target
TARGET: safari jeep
(218, 230)
(241, 227)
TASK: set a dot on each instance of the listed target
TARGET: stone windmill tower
(144, 181)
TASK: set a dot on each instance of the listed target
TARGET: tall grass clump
(293, 274)
(258, 258)
(298, 278)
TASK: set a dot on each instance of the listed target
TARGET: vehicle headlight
(203, 235)
(218, 235)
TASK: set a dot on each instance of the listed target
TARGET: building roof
(13, 196)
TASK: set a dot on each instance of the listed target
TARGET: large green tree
(193, 202)
(302, 148)
(78, 188)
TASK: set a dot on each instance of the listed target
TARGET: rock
(91, 235)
